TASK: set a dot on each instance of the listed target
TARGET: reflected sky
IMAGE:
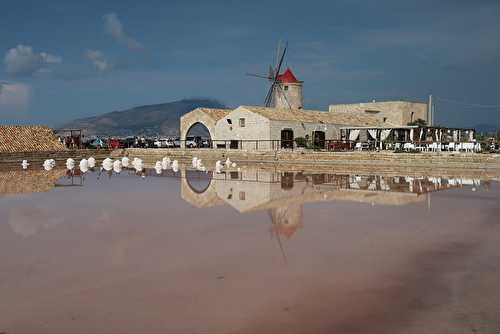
(248, 251)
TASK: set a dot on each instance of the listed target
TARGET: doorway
(287, 138)
(233, 145)
(319, 139)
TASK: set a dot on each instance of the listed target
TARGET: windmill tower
(285, 91)
(288, 91)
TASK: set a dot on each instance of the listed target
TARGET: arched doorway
(198, 189)
(197, 136)
(287, 138)
(197, 181)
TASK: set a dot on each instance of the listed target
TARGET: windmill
(273, 77)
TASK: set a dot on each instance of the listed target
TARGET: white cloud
(21, 60)
(14, 97)
(99, 60)
(114, 27)
(50, 59)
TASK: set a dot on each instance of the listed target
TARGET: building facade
(398, 113)
(259, 128)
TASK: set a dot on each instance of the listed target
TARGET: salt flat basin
(250, 252)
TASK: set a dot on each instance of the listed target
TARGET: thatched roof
(29, 138)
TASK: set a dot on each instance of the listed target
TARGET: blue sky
(67, 59)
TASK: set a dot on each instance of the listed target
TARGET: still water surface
(253, 251)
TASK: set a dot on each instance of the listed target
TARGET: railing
(330, 145)
(268, 145)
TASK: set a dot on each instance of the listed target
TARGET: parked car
(191, 142)
(129, 142)
(96, 143)
(205, 143)
(177, 142)
(144, 142)
(170, 143)
(160, 142)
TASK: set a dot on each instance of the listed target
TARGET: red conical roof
(287, 76)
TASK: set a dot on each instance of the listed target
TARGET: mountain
(487, 128)
(144, 120)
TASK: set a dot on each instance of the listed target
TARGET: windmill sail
(273, 76)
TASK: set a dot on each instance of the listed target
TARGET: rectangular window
(242, 195)
(286, 87)
(242, 122)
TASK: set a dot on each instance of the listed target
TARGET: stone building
(259, 128)
(207, 117)
(396, 113)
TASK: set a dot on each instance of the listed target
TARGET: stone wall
(443, 164)
(302, 129)
(193, 117)
(256, 127)
(398, 113)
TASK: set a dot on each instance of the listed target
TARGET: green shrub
(301, 142)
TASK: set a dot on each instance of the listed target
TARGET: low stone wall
(9, 160)
(451, 164)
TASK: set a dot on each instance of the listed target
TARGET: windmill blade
(267, 101)
(271, 72)
(281, 247)
(278, 67)
(278, 53)
(259, 76)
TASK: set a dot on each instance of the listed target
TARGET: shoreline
(389, 163)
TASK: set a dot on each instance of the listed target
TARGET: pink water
(131, 255)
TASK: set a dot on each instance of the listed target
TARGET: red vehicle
(114, 143)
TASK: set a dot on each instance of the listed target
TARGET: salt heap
(107, 164)
(70, 163)
(117, 166)
(84, 165)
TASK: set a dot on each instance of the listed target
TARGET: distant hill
(487, 128)
(144, 120)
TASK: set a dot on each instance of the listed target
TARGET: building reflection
(283, 194)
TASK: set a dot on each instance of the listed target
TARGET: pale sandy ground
(126, 255)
